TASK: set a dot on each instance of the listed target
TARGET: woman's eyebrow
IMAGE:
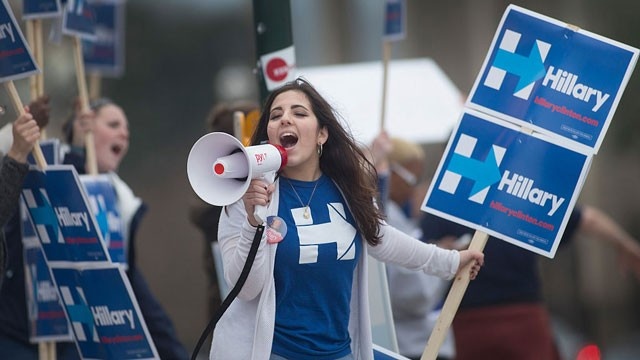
(276, 108)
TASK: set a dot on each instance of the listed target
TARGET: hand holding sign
(16, 62)
(25, 135)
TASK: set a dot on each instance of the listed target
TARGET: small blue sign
(16, 61)
(515, 186)
(380, 353)
(105, 55)
(51, 151)
(395, 20)
(79, 19)
(40, 9)
(106, 320)
(104, 204)
(59, 209)
(554, 77)
(47, 320)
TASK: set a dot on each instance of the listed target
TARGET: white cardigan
(245, 331)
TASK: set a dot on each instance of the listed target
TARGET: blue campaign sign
(16, 61)
(105, 317)
(395, 20)
(380, 353)
(513, 185)
(47, 320)
(51, 151)
(79, 19)
(59, 209)
(40, 9)
(104, 204)
(549, 75)
(105, 55)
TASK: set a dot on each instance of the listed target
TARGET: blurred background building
(182, 56)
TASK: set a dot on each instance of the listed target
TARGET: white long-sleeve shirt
(245, 331)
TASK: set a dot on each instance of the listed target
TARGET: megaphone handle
(260, 211)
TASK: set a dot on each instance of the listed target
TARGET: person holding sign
(13, 169)
(502, 314)
(108, 123)
(306, 295)
(414, 295)
(14, 332)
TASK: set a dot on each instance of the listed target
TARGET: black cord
(233, 293)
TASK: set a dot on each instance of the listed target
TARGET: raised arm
(598, 224)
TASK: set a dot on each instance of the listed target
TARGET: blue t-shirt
(314, 272)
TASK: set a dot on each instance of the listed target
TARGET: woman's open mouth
(116, 149)
(288, 140)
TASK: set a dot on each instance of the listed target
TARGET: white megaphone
(220, 168)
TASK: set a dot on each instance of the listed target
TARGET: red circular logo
(277, 69)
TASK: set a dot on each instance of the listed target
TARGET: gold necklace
(307, 211)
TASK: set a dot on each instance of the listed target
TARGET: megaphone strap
(233, 293)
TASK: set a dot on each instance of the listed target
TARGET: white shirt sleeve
(401, 249)
(235, 236)
(6, 138)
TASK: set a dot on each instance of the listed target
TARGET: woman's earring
(319, 149)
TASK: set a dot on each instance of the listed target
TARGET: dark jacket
(12, 174)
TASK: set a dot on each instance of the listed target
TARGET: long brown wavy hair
(342, 159)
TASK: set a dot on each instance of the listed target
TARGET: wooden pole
(43, 351)
(243, 127)
(37, 81)
(36, 89)
(91, 162)
(19, 108)
(95, 85)
(52, 350)
(386, 55)
(47, 350)
(39, 46)
(453, 300)
(82, 82)
(31, 39)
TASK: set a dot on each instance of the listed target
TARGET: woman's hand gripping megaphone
(256, 200)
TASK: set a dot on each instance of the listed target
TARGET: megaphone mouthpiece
(283, 156)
